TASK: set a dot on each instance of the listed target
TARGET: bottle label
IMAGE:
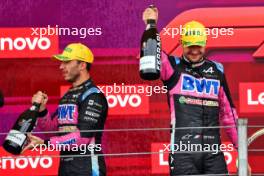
(33, 108)
(147, 62)
(147, 27)
(16, 137)
(158, 51)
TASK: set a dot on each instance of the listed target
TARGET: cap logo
(194, 32)
(69, 50)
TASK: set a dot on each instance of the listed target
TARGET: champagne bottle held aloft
(150, 53)
(16, 138)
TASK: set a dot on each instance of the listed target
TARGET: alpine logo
(209, 70)
(19, 43)
(200, 86)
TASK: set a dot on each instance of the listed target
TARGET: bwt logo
(200, 86)
(66, 112)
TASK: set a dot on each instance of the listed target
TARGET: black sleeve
(227, 91)
(92, 114)
(1, 99)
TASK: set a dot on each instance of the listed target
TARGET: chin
(66, 78)
(196, 59)
(69, 80)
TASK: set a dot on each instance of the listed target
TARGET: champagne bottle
(17, 138)
(150, 53)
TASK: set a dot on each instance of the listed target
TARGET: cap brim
(60, 57)
(193, 45)
(187, 44)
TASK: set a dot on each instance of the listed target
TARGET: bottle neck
(35, 107)
(151, 24)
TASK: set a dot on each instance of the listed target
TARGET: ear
(180, 41)
(83, 65)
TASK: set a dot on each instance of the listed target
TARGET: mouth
(64, 73)
(195, 54)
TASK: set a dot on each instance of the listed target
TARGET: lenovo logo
(133, 100)
(19, 43)
(251, 97)
(29, 163)
(160, 162)
(124, 99)
(259, 99)
(22, 163)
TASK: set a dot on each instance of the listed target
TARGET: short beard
(200, 59)
(74, 78)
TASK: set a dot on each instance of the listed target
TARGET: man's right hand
(150, 14)
(40, 98)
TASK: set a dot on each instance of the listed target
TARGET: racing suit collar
(192, 64)
(85, 83)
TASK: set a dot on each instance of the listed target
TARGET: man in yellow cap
(199, 98)
(83, 107)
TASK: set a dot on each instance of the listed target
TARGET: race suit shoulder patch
(177, 60)
(219, 66)
(89, 92)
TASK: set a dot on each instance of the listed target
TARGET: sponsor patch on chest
(67, 111)
(200, 85)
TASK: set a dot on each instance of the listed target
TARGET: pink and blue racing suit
(83, 107)
(198, 96)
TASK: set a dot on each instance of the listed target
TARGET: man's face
(70, 70)
(194, 53)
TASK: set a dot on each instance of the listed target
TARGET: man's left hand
(33, 141)
(249, 170)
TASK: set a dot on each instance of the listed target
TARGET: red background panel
(24, 77)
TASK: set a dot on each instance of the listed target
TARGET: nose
(195, 51)
(61, 65)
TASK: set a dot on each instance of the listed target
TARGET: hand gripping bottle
(16, 138)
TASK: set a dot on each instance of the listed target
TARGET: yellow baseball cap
(193, 33)
(76, 51)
